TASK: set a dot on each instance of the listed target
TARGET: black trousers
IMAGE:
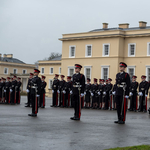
(55, 98)
(34, 103)
(29, 98)
(7, 96)
(142, 103)
(13, 96)
(121, 107)
(42, 100)
(18, 97)
(107, 100)
(76, 105)
(133, 101)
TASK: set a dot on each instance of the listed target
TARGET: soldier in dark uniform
(1, 89)
(77, 91)
(29, 90)
(54, 91)
(122, 93)
(42, 96)
(18, 90)
(66, 91)
(114, 93)
(59, 91)
(13, 90)
(143, 92)
(87, 93)
(94, 93)
(7, 90)
(100, 92)
(35, 92)
(133, 94)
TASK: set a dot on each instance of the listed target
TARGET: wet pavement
(53, 130)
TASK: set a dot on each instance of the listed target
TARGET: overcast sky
(29, 29)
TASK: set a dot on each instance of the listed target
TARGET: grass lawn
(141, 147)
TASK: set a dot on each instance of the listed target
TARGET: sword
(35, 99)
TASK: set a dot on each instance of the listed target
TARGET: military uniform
(143, 89)
(35, 93)
(7, 91)
(18, 91)
(42, 96)
(122, 80)
(2, 84)
(133, 96)
(13, 91)
(78, 86)
(114, 92)
(54, 91)
(88, 93)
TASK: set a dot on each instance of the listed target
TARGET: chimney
(124, 25)
(4, 55)
(9, 55)
(142, 24)
(105, 25)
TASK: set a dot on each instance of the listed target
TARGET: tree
(53, 55)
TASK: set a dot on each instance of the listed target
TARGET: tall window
(148, 73)
(59, 70)
(50, 83)
(15, 71)
(131, 71)
(70, 71)
(72, 51)
(51, 70)
(5, 70)
(88, 52)
(42, 70)
(87, 72)
(131, 50)
(24, 71)
(148, 49)
(106, 48)
(105, 72)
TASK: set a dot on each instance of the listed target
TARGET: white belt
(77, 85)
(119, 85)
(33, 87)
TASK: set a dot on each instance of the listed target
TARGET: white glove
(52, 91)
(11, 90)
(140, 93)
(131, 93)
(71, 92)
(27, 91)
(126, 96)
(145, 95)
(114, 92)
(4, 90)
(64, 91)
(58, 91)
(82, 94)
(37, 95)
(92, 94)
(104, 93)
(99, 93)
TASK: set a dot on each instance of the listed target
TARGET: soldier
(7, 90)
(54, 91)
(77, 91)
(133, 94)
(94, 93)
(122, 92)
(42, 96)
(1, 89)
(66, 91)
(35, 92)
(59, 91)
(87, 93)
(113, 93)
(29, 90)
(100, 92)
(13, 90)
(143, 92)
(18, 90)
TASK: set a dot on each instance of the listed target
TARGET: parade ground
(52, 129)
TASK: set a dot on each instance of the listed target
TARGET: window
(104, 72)
(88, 52)
(131, 50)
(87, 72)
(131, 71)
(5, 70)
(24, 71)
(148, 49)
(70, 71)
(42, 70)
(148, 73)
(50, 83)
(59, 70)
(15, 71)
(72, 52)
(106, 48)
(51, 70)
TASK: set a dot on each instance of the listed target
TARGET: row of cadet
(100, 96)
(10, 90)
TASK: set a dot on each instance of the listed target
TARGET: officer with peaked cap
(35, 92)
(77, 91)
(122, 92)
